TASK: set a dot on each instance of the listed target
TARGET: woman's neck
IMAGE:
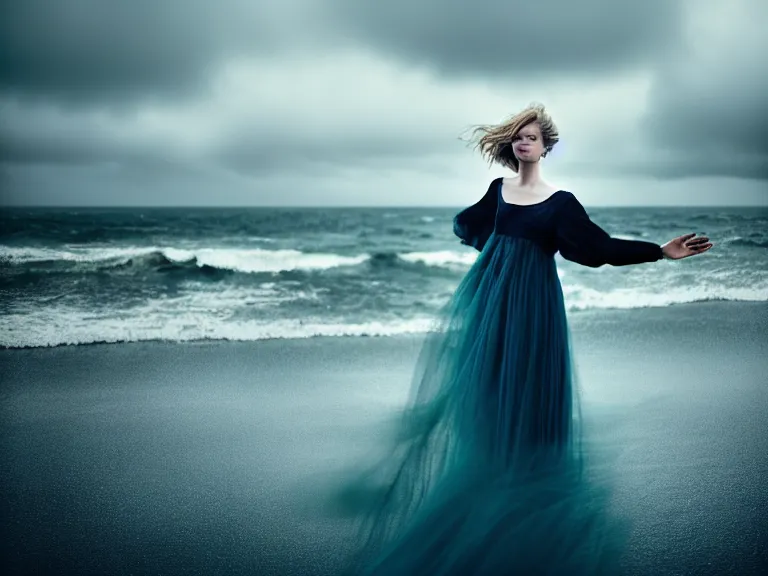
(529, 175)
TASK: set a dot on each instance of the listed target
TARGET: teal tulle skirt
(487, 471)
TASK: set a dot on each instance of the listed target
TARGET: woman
(486, 474)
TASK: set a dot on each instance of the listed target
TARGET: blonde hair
(496, 143)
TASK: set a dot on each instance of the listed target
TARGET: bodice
(558, 223)
(536, 222)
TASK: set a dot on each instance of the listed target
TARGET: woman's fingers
(700, 248)
(693, 245)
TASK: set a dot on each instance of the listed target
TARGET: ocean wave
(441, 258)
(159, 262)
(583, 298)
(188, 328)
(216, 316)
(254, 260)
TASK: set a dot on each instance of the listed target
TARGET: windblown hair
(496, 142)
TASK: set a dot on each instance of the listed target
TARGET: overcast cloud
(345, 102)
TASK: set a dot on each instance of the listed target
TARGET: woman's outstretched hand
(686, 245)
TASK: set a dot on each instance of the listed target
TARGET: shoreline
(578, 321)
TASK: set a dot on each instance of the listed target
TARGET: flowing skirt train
(486, 472)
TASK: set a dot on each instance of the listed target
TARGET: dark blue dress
(486, 474)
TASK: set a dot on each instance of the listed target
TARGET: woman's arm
(582, 241)
(475, 224)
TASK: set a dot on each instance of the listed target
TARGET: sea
(97, 275)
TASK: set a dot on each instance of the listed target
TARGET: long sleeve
(475, 224)
(582, 241)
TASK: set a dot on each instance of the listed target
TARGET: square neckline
(547, 199)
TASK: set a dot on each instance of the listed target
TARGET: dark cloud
(538, 38)
(708, 107)
(50, 135)
(19, 148)
(705, 116)
(113, 51)
(729, 115)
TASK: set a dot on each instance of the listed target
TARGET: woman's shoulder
(568, 207)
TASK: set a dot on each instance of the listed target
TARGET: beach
(201, 457)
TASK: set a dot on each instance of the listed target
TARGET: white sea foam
(584, 298)
(240, 260)
(220, 316)
(79, 327)
(442, 258)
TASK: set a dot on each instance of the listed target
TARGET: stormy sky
(355, 102)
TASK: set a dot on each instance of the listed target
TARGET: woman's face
(528, 144)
